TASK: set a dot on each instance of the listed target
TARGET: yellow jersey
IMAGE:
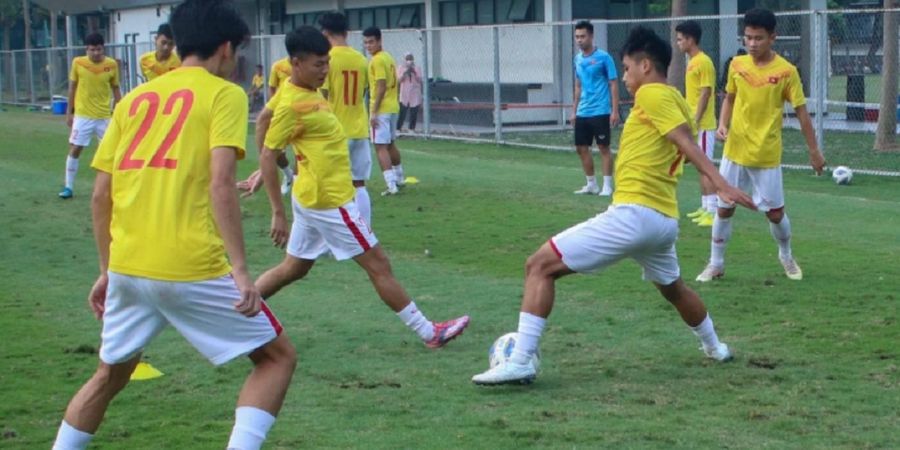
(648, 165)
(701, 73)
(158, 151)
(281, 70)
(257, 81)
(152, 67)
(303, 118)
(95, 84)
(346, 85)
(754, 137)
(382, 67)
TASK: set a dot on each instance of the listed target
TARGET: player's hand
(69, 120)
(251, 184)
(731, 195)
(97, 297)
(373, 122)
(722, 133)
(279, 230)
(614, 119)
(251, 301)
(817, 161)
(572, 119)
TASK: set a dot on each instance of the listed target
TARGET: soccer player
(168, 230)
(699, 82)
(91, 80)
(280, 71)
(595, 111)
(325, 214)
(256, 86)
(384, 105)
(344, 88)
(642, 221)
(758, 85)
(163, 59)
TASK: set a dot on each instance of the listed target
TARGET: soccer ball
(501, 350)
(842, 175)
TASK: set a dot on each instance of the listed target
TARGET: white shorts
(386, 131)
(634, 231)
(83, 128)
(706, 140)
(341, 230)
(360, 159)
(138, 309)
(764, 183)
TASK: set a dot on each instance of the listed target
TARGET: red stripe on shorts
(355, 230)
(703, 139)
(555, 250)
(272, 319)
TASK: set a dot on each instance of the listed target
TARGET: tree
(886, 133)
(677, 67)
(10, 13)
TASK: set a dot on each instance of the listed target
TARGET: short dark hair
(644, 43)
(372, 32)
(585, 25)
(165, 30)
(334, 22)
(93, 39)
(690, 29)
(201, 26)
(306, 40)
(760, 18)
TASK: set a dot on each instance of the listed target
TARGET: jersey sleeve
(662, 110)
(146, 67)
(273, 77)
(273, 102)
(73, 74)
(730, 86)
(285, 125)
(114, 81)
(611, 73)
(105, 157)
(228, 124)
(379, 69)
(707, 75)
(793, 89)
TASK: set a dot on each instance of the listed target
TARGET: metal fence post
(15, 81)
(29, 69)
(498, 132)
(426, 89)
(820, 27)
(3, 62)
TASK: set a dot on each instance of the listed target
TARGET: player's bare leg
(721, 233)
(71, 170)
(606, 163)
(396, 164)
(377, 265)
(363, 203)
(382, 151)
(694, 314)
(289, 270)
(587, 164)
(780, 226)
(88, 406)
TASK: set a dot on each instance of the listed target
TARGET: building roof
(69, 7)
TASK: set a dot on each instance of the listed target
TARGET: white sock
(721, 233)
(250, 428)
(703, 203)
(286, 170)
(781, 231)
(71, 170)
(591, 180)
(607, 182)
(389, 179)
(70, 438)
(706, 333)
(416, 321)
(364, 204)
(398, 173)
(712, 202)
(530, 329)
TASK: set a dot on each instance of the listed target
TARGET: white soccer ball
(501, 350)
(842, 175)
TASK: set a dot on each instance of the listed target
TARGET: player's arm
(101, 214)
(268, 166)
(816, 159)
(70, 109)
(682, 137)
(576, 96)
(725, 116)
(380, 89)
(117, 95)
(614, 100)
(227, 214)
(705, 93)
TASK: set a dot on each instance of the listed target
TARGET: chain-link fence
(514, 83)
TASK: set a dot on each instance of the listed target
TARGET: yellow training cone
(144, 371)
(412, 180)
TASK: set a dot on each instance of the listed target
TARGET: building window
(386, 17)
(489, 12)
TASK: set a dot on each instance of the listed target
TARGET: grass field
(816, 361)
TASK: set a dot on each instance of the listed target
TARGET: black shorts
(588, 129)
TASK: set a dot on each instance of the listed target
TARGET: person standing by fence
(410, 79)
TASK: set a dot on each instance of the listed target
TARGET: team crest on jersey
(773, 80)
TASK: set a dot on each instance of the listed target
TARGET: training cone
(412, 180)
(144, 371)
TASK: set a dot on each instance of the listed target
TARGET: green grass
(816, 362)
